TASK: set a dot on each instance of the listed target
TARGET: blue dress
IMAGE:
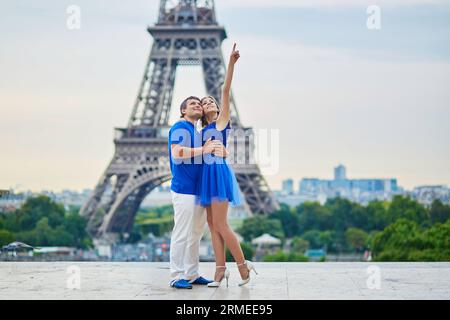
(217, 181)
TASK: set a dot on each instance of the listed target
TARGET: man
(186, 156)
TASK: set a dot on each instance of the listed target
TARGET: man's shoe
(201, 280)
(181, 284)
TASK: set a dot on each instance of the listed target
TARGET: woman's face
(209, 106)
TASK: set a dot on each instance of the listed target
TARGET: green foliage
(341, 226)
(42, 222)
(246, 249)
(157, 220)
(280, 256)
(166, 210)
(299, 245)
(356, 238)
(439, 213)
(289, 221)
(342, 214)
(400, 230)
(377, 213)
(36, 208)
(313, 216)
(319, 239)
(6, 237)
(404, 240)
(258, 225)
(134, 237)
(406, 208)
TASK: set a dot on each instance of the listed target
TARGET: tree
(75, 225)
(289, 221)
(377, 215)
(356, 238)
(299, 245)
(42, 222)
(328, 240)
(151, 223)
(40, 236)
(346, 214)
(258, 225)
(313, 216)
(36, 208)
(318, 239)
(409, 209)
(157, 221)
(404, 240)
(439, 212)
(438, 239)
(359, 218)
(6, 237)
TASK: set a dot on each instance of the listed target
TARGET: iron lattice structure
(187, 33)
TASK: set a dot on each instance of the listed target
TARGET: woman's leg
(218, 245)
(220, 223)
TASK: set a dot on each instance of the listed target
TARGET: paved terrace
(149, 280)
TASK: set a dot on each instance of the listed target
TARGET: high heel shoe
(226, 275)
(250, 267)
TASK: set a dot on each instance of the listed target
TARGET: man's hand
(210, 146)
(216, 148)
(221, 151)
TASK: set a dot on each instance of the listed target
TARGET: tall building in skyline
(358, 190)
(288, 186)
(340, 173)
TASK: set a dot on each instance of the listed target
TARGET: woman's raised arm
(224, 115)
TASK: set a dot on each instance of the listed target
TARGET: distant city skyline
(376, 101)
(360, 190)
(311, 189)
(340, 173)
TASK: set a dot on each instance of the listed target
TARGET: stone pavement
(149, 280)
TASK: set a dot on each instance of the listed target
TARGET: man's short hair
(183, 105)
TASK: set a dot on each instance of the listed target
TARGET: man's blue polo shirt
(185, 172)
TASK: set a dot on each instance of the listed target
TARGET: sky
(377, 101)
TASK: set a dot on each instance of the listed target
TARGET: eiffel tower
(187, 33)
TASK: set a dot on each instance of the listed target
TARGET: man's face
(194, 109)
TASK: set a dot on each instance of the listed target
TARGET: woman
(218, 186)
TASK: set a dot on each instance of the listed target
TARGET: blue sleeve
(180, 134)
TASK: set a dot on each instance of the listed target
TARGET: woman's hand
(234, 57)
(211, 145)
(225, 114)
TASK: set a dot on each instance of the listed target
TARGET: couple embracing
(202, 179)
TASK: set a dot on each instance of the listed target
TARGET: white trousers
(190, 221)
